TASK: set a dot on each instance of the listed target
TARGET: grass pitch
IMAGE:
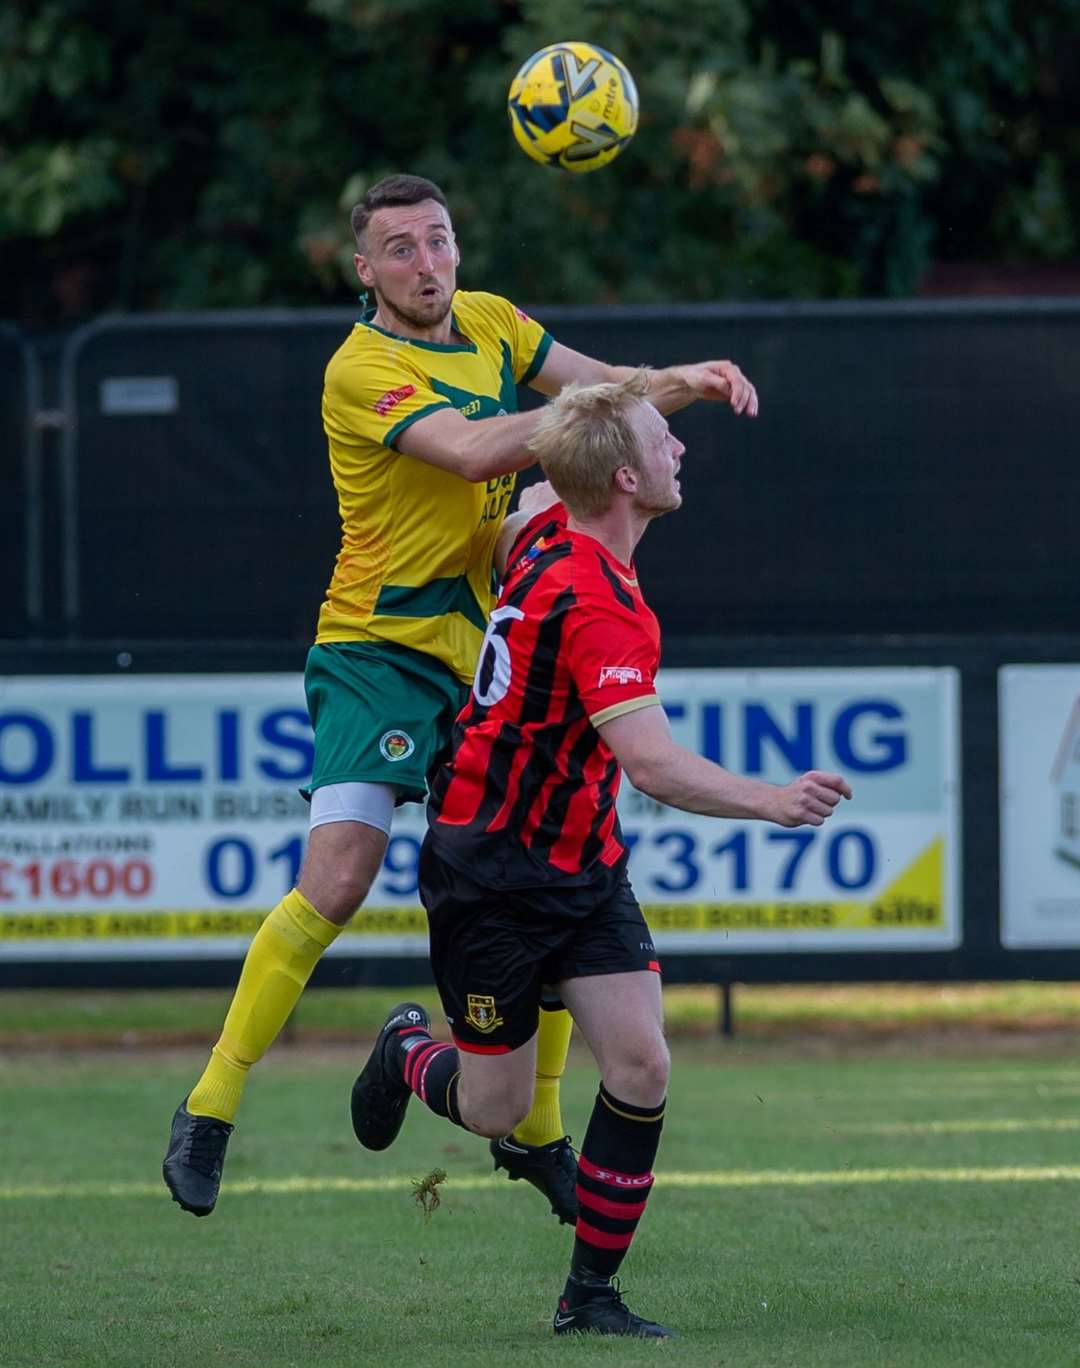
(814, 1210)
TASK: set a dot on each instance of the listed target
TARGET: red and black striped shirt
(528, 796)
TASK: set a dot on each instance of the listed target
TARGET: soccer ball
(573, 105)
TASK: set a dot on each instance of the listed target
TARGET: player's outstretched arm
(657, 765)
(718, 381)
(477, 449)
(669, 389)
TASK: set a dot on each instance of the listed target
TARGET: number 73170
(674, 860)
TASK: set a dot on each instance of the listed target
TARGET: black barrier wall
(895, 481)
(197, 481)
(20, 474)
(913, 470)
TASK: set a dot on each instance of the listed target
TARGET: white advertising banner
(160, 816)
(1039, 731)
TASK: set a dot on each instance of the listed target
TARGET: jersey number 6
(492, 678)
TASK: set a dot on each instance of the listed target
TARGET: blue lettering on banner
(30, 749)
(891, 747)
(230, 867)
(83, 768)
(228, 746)
(43, 748)
(791, 734)
(848, 858)
(712, 733)
(158, 769)
(864, 736)
(289, 729)
(760, 726)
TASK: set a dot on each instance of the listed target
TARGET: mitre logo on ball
(573, 105)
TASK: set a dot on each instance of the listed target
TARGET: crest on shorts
(396, 745)
(480, 1012)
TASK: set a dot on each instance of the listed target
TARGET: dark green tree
(206, 156)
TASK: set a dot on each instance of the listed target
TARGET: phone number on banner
(805, 879)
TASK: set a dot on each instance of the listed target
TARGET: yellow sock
(278, 964)
(544, 1121)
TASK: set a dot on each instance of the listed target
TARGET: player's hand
(535, 498)
(809, 799)
(724, 381)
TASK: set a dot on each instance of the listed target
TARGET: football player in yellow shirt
(419, 410)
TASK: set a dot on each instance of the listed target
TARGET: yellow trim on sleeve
(618, 709)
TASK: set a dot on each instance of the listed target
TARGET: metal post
(727, 1010)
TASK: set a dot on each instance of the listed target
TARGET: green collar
(369, 314)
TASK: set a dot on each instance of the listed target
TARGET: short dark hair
(390, 192)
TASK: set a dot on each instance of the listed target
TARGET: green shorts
(382, 714)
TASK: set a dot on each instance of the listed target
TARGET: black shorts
(494, 950)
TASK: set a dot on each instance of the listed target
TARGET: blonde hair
(584, 436)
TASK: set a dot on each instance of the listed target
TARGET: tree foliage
(204, 155)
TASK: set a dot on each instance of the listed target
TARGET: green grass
(817, 1211)
(33, 1016)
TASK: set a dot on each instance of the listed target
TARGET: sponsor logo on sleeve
(392, 397)
(522, 315)
(619, 674)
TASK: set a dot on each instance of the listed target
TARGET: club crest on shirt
(537, 549)
(392, 397)
(396, 745)
(619, 674)
(480, 1012)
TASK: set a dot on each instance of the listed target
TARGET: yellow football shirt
(415, 565)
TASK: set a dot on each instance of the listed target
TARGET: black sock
(614, 1181)
(431, 1070)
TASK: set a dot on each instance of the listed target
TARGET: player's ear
(363, 270)
(626, 479)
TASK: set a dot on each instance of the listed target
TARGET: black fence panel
(912, 470)
(198, 479)
(20, 567)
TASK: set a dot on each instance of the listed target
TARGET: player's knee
(641, 1075)
(338, 878)
(343, 891)
(495, 1116)
(653, 1068)
(661, 1067)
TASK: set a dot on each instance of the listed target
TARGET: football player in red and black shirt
(523, 872)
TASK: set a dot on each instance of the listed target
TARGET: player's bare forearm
(654, 763)
(476, 450)
(682, 779)
(670, 389)
(675, 387)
